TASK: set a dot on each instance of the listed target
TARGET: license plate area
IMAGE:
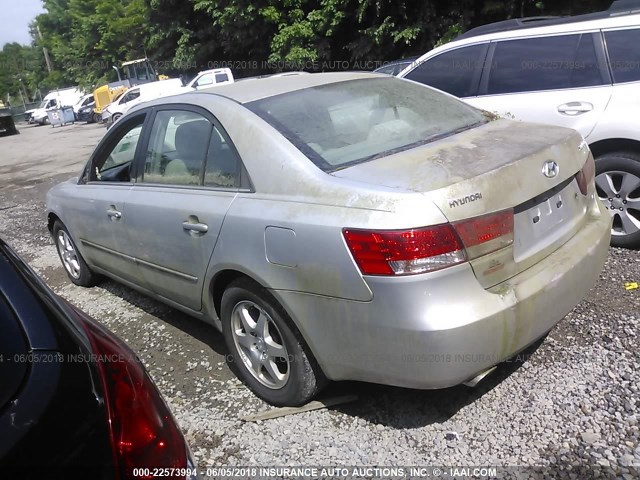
(550, 218)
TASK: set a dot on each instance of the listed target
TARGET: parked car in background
(396, 66)
(83, 102)
(579, 72)
(136, 95)
(69, 384)
(390, 235)
(7, 123)
(86, 113)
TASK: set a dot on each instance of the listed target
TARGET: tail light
(144, 434)
(419, 250)
(586, 175)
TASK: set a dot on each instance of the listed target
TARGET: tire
(297, 378)
(115, 117)
(96, 118)
(77, 269)
(618, 186)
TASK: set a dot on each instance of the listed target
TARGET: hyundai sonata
(340, 226)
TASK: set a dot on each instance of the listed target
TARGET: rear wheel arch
(51, 220)
(223, 279)
(614, 145)
(219, 284)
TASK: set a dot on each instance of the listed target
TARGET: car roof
(620, 15)
(616, 13)
(244, 92)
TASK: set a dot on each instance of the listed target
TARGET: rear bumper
(441, 329)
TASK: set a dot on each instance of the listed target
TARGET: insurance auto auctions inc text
(352, 472)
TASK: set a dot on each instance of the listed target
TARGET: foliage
(86, 38)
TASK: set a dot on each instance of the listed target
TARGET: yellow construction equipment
(136, 72)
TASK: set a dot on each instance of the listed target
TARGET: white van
(139, 94)
(65, 97)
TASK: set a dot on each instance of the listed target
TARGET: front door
(99, 217)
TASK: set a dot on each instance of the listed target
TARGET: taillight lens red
(486, 234)
(401, 252)
(143, 431)
(586, 175)
(420, 250)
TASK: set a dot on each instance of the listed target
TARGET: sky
(15, 18)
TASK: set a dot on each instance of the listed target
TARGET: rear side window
(624, 54)
(455, 72)
(546, 63)
(221, 77)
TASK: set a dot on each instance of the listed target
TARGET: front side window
(205, 80)
(454, 72)
(624, 54)
(546, 63)
(115, 164)
(346, 123)
(130, 96)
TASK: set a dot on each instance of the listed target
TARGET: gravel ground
(570, 403)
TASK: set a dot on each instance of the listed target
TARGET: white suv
(581, 72)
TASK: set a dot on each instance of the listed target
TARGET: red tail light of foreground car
(144, 434)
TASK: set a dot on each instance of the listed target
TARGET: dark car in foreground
(74, 399)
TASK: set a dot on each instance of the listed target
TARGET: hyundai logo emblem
(550, 169)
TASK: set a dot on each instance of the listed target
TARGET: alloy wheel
(259, 344)
(68, 254)
(620, 193)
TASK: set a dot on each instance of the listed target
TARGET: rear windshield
(346, 123)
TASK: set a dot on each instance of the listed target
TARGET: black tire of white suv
(618, 186)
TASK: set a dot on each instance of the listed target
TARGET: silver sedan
(347, 226)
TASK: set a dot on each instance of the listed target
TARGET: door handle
(575, 108)
(195, 227)
(113, 213)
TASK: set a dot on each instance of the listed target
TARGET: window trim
(603, 33)
(483, 90)
(243, 181)
(477, 76)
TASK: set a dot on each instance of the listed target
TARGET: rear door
(176, 209)
(560, 80)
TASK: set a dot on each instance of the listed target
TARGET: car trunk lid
(491, 168)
